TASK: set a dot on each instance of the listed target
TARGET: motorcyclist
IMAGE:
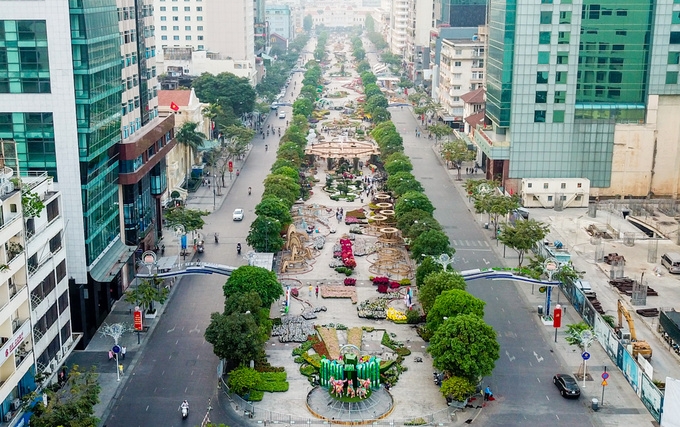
(185, 404)
(266, 147)
(217, 238)
(249, 190)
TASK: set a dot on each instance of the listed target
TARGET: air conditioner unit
(14, 405)
(8, 417)
(53, 365)
(59, 356)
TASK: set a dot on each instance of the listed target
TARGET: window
(543, 57)
(199, 9)
(673, 58)
(199, 18)
(546, 1)
(175, 37)
(541, 96)
(539, 116)
(459, 51)
(174, 9)
(457, 64)
(175, 28)
(175, 18)
(187, 28)
(671, 77)
(455, 98)
(187, 8)
(565, 17)
(529, 185)
(558, 116)
(621, 13)
(563, 37)
(200, 46)
(546, 17)
(621, 33)
(455, 87)
(164, 27)
(457, 76)
(562, 57)
(187, 38)
(164, 37)
(544, 37)
(163, 8)
(163, 18)
(560, 96)
(561, 77)
(200, 28)
(542, 77)
(675, 37)
(200, 38)
(563, 185)
(187, 18)
(545, 185)
(579, 185)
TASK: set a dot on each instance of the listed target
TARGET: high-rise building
(569, 82)
(279, 20)
(460, 13)
(399, 26)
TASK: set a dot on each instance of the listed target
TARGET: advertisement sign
(19, 336)
(138, 319)
(231, 166)
(557, 316)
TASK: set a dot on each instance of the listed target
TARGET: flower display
(394, 284)
(350, 281)
(394, 314)
(346, 253)
(381, 280)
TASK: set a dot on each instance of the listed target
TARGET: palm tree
(192, 140)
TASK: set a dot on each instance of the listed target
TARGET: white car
(238, 215)
(282, 114)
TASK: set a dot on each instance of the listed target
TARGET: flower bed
(350, 281)
(330, 338)
(339, 292)
(394, 314)
(357, 213)
(347, 254)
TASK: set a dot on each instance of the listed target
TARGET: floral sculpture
(350, 390)
(382, 283)
(361, 392)
(346, 253)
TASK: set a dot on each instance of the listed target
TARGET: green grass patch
(273, 376)
(272, 386)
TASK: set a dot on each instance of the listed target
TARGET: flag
(174, 107)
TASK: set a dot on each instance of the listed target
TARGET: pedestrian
(120, 368)
(110, 355)
(341, 212)
(317, 291)
(488, 395)
(123, 351)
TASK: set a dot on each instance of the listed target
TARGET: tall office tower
(460, 13)
(566, 79)
(61, 94)
(399, 26)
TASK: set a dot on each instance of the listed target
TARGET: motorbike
(200, 247)
(184, 407)
(249, 190)
(217, 238)
(238, 248)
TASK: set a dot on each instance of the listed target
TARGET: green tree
(413, 200)
(243, 380)
(368, 78)
(426, 267)
(374, 102)
(235, 337)
(303, 106)
(146, 293)
(191, 219)
(265, 235)
(398, 165)
(274, 208)
(287, 171)
(307, 23)
(191, 139)
(226, 89)
(497, 206)
(359, 53)
(451, 304)
(281, 192)
(279, 163)
(363, 66)
(285, 181)
(369, 24)
(465, 346)
(457, 152)
(290, 151)
(436, 283)
(431, 242)
(458, 388)
(574, 336)
(403, 182)
(522, 236)
(439, 131)
(242, 302)
(31, 203)
(372, 90)
(239, 134)
(71, 404)
(414, 222)
(380, 115)
(248, 278)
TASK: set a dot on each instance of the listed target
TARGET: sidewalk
(96, 352)
(621, 406)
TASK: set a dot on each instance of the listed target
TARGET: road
(522, 380)
(177, 363)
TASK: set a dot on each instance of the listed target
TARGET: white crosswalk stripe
(470, 243)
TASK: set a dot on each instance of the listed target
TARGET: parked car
(238, 214)
(282, 114)
(567, 386)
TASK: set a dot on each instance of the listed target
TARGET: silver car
(238, 214)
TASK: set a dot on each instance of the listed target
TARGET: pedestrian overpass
(491, 274)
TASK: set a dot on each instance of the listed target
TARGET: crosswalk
(470, 244)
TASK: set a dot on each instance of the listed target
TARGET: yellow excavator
(639, 347)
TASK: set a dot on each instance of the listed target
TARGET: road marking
(539, 380)
(546, 396)
(507, 353)
(557, 416)
(539, 359)
(195, 329)
(486, 262)
(176, 342)
(172, 330)
(147, 408)
(155, 389)
(458, 248)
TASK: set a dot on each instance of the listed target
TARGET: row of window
(563, 185)
(185, 38)
(540, 116)
(546, 17)
(186, 9)
(186, 28)
(475, 75)
(199, 47)
(176, 18)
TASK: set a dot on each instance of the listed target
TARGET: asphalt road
(522, 379)
(177, 363)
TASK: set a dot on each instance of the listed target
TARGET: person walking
(123, 351)
(317, 291)
(110, 355)
(311, 288)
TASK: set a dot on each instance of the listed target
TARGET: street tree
(414, 222)
(359, 53)
(290, 151)
(436, 283)
(380, 115)
(405, 83)
(398, 165)
(274, 208)
(431, 242)
(451, 304)
(280, 192)
(426, 267)
(235, 337)
(70, 404)
(146, 293)
(287, 171)
(115, 330)
(192, 140)
(457, 388)
(465, 346)
(496, 206)
(226, 89)
(279, 163)
(478, 187)
(239, 134)
(291, 184)
(303, 106)
(390, 58)
(456, 152)
(369, 23)
(374, 102)
(403, 182)
(265, 235)
(248, 278)
(190, 219)
(363, 66)
(307, 23)
(439, 131)
(413, 200)
(368, 78)
(308, 92)
(250, 302)
(372, 90)
(522, 236)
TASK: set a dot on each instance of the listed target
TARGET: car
(274, 106)
(567, 385)
(238, 214)
(282, 114)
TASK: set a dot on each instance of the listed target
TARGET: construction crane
(639, 347)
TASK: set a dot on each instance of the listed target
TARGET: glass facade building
(562, 73)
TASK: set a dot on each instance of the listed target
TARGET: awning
(115, 257)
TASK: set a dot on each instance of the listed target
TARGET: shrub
(382, 288)
(272, 386)
(273, 376)
(381, 280)
(394, 284)
(299, 359)
(307, 370)
(413, 317)
(256, 396)
(242, 380)
(405, 282)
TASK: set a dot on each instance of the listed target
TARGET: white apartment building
(178, 61)
(222, 28)
(417, 55)
(399, 26)
(461, 70)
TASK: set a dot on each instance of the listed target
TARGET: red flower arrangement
(381, 280)
(394, 284)
(347, 254)
(382, 288)
(350, 281)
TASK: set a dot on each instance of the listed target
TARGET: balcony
(493, 145)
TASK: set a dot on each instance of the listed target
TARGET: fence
(640, 382)
(258, 415)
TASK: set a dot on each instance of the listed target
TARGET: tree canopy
(413, 200)
(191, 219)
(265, 235)
(274, 208)
(235, 337)
(431, 242)
(451, 304)
(436, 283)
(465, 346)
(248, 278)
(457, 152)
(522, 236)
(307, 23)
(227, 90)
(426, 267)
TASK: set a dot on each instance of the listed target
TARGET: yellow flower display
(394, 314)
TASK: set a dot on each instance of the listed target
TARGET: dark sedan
(567, 385)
